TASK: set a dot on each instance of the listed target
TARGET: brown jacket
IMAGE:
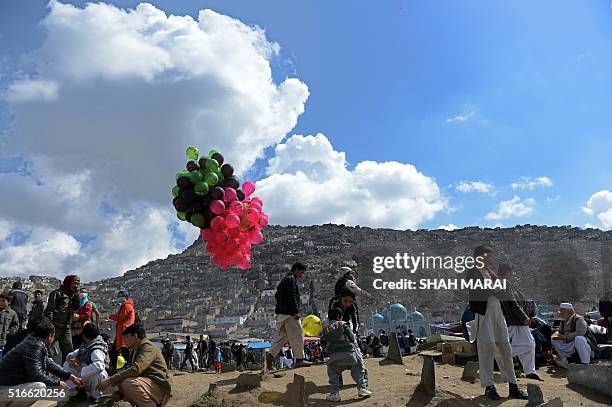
(61, 307)
(147, 361)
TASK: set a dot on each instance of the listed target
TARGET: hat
(566, 305)
(346, 269)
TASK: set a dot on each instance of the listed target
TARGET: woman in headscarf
(125, 317)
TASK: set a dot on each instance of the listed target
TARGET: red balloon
(217, 223)
(232, 221)
(256, 237)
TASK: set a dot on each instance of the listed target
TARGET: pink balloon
(229, 194)
(217, 223)
(257, 200)
(248, 188)
(263, 220)
(244, 264)
(235, 207)
(255, 205)
(217, 207)
(232, 221)
(252, 216)
(256, 237)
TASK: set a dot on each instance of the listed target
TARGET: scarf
(85, 351)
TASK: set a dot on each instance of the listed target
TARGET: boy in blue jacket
(341, 346)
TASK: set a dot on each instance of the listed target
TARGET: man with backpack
(188, 355)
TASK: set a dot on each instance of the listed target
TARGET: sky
(395, 114)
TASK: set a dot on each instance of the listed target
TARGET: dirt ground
(392, 385)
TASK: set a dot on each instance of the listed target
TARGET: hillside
(551, 264)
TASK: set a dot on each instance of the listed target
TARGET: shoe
(517, 393)
(534, 376)
(302, 363)
(364, 393)
(562, 362)
(333, 397)
(491, 393)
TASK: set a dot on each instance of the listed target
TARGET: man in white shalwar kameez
(573, 335)
(88, 362)
(489, 330)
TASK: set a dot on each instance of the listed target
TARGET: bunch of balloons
(208, 195)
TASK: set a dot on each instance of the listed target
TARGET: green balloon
(183, 173)
(195, 177)
(211, 152)
(192, 153)
(181, 215)
(211, 179)
(201, 188)
(197, 219)
(220, 176)
(212, 165)
(175, 191)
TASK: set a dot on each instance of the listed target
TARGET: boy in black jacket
(288, 326)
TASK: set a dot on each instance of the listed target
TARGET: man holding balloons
(288, 327)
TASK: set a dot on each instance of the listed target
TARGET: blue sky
(385, 78)
(499, 92)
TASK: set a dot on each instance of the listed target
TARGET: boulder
(535, 395)
(248, 381)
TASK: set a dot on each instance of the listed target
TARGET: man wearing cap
(347, 279)
(60, 310)
(573, 335)
(489, 329)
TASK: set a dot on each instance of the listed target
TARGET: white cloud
(32, 90)
(131, 241)
(125, 92)
(528, 183)
(448, 227)
(309, 183)
(515, 207)
(462, 117)
(478, 186)
(599, 205)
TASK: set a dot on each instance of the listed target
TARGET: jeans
(345, 361)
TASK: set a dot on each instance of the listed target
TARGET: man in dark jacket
(202, 352)
(288, 326)
(61, 306)
(19, 303)
(28, 365)
(36, 313)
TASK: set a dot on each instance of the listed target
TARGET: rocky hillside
(551, 264)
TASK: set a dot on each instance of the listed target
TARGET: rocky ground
(393, 385)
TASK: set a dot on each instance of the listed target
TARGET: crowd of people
(59, 345)
(505, 325)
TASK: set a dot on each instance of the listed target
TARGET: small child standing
(341, 346)
(218, 361)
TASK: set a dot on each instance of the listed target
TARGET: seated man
(147, 381)
(341, 346)
(28, 365)
(573, 335)
(89, 362)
